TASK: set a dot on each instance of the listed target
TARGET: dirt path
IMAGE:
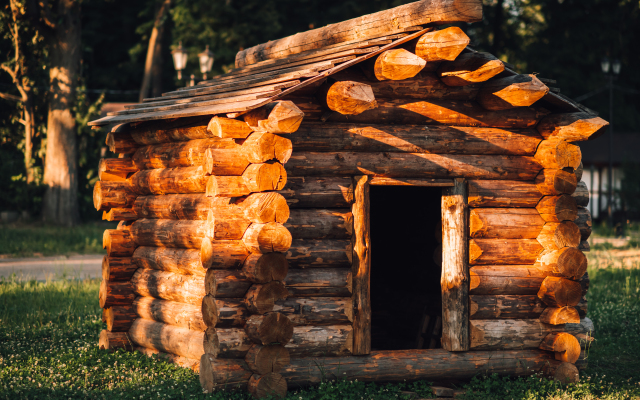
(43, 268)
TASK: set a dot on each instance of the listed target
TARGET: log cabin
(370, 200)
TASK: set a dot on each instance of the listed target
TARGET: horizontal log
(557, 235)
(223, 373)
(112, 194)
(321, 341)
(498, 193)
(178, 154)
(256, 178)
(266, 359)
(169, 180)
(163, 285)
(445, 44)
(228, 128)
(257, 207)
(505, 223)
(260, 298)
(415, 139)
(181, 261)
(225, 162)
(114, 340)
(115, 294)
(319, 253)
(319, 282)
(226, 342)
(276, 117)
(170, 233)
(470, 68)
(581, 194)
(410, 165)
(267, 385)
(554, 182)
(505, 307)
(507, 334)
(316, 310)
(507, 279)
(558, 208)
(224, 312)
(410, 365)
(579, 171)
(560, 315)
(511, 91)
(178, 130)
(118, 243)
(574, 127)
(117, 268)
(119, 318)
(568, 262)
(222, 283)
(443, 112)
(183, 362)
(318, 192)
(166, 338)
(119, 214)
(170, 312)
(121, 142)
(564, 345)
(320, 224)
(584, 222)
(503, 251)
(557, 154)
(272, 327)
(116, 169)
(560, 292)
(266, 238)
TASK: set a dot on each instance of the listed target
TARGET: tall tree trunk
(156, 72)
(498, 28)
(155, 41)
(60, 204)
(29, 132)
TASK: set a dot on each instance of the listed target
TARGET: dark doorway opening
(406, 302)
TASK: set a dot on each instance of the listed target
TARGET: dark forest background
(563, 40)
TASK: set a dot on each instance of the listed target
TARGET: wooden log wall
(242, 245)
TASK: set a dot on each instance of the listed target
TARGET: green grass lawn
(37, 240)
(49, 333)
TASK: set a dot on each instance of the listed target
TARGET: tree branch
(8, 96)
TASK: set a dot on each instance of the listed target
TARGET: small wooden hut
(370, 200)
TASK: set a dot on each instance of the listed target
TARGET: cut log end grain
(510, 92)
(553, 182)
(565, 346)
(445, 44)
(266, 207)
(114, 340)
(118, 243)
(272, 327)
(566, 373)
(112, 194)
(350, 98)
(397, 64)
(117, 268)
(261, 298)
(263, 268)
(115, 294)
(264, 359)
(228, 128)
(264, 177)
(568, 261)
(573, 127)
(210, 312)
(276, 117)
(581, 194)
(266, 238)
(558, 154)
(271, 384)
(119, 318)
(560, 292)
(560, 315)
(264, 146)
(470, 68)
(558, 208)
(227, 374)
(557, 235)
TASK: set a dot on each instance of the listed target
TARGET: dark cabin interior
(406, 303)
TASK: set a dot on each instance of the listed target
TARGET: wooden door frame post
(361, 266)
(455, 267)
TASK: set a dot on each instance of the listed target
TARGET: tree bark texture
(316, 310)
(318, 192)
(500, 193)
(183, 315)
(505, 307)
(505, 223)
(166, 338)
(189, 289)
(503, 251)
(508, 279)
(305, 253)
(320, 224)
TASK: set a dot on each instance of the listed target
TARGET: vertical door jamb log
(455, 267)
(361, 267)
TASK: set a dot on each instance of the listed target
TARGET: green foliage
(29, 240)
